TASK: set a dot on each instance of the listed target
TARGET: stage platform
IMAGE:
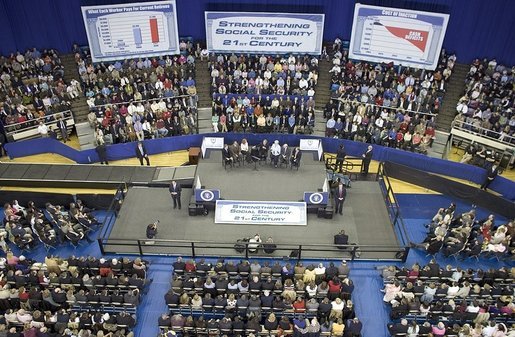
(91, 176)
(365, 218)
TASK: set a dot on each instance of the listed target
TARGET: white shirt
(275, 149)
(43, 129)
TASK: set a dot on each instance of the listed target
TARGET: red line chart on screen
(391, 37)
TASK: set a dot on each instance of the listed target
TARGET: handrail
(385, 107)
(118, 196)
(66, 114)
(483, 133)
(193, 245)
(397, 212)
(142, 101)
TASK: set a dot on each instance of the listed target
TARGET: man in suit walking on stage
(141, 153)
(367, 157)
(339, 198)
(175, 191)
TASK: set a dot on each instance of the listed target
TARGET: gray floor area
(365, 220)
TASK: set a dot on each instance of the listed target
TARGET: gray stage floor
(364, 218)
(267, 183)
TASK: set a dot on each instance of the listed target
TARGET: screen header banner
(264, 33)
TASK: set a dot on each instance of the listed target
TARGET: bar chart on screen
(411, 38)
(131, 30)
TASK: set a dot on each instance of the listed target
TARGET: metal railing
(142, 101)
(484, 133)
(112, 211)
(392, 205)
(29, 129)
(211, 248)
(411, 112)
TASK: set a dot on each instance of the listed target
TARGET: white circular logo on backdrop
(316, 198)
(207, 195)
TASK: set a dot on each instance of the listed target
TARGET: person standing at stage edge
(367, 157)
(339, 198)
(141, 153)
(340, 157)
(175, 191)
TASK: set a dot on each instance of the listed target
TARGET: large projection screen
(264, 33)
(407, 37)
(131, 30)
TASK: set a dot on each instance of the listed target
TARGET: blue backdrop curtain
(477, 28)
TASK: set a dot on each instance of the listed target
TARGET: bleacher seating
(384, 104)
(74, 294)
(33, 89)
(447, 296)
(140, 98)
(486, 108)
(240, 298)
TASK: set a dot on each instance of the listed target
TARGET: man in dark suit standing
(491, 173)
(141, 153)
(367, 157)
(339, 198)
(61, 124)
(102, 153)
(175, 191)
(340, 157)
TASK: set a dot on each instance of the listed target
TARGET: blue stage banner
(316, 198)
(264, 33)
(203, 195)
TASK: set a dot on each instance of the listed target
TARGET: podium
(193, 154)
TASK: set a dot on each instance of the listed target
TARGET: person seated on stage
(80, 217)
(296, 155)
(226, 156)
(244, 149)
(285, 154)
(269, 246)
(235, 151)
(341, 239)
(275, 152)
(254, 243)
(263, 150)
(152, 230)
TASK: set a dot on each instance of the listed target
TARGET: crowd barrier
(501, 185)
(261, 96)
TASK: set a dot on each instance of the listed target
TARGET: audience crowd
(263, 94)
(466, 236)
(143, 98)
(486, 108)
(450, 301)
(385, 104)
(69, 297)
(32, 88)
(27, 226)
(247, 297)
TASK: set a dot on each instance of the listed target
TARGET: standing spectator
(102, 153)
(61, 124)
(339, 198)
(490, 176)
(367, 157)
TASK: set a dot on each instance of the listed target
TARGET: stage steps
(204, 120)
(86, 136)
(203, 83)
(454, 91)
(438, 150)
(79, 106)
